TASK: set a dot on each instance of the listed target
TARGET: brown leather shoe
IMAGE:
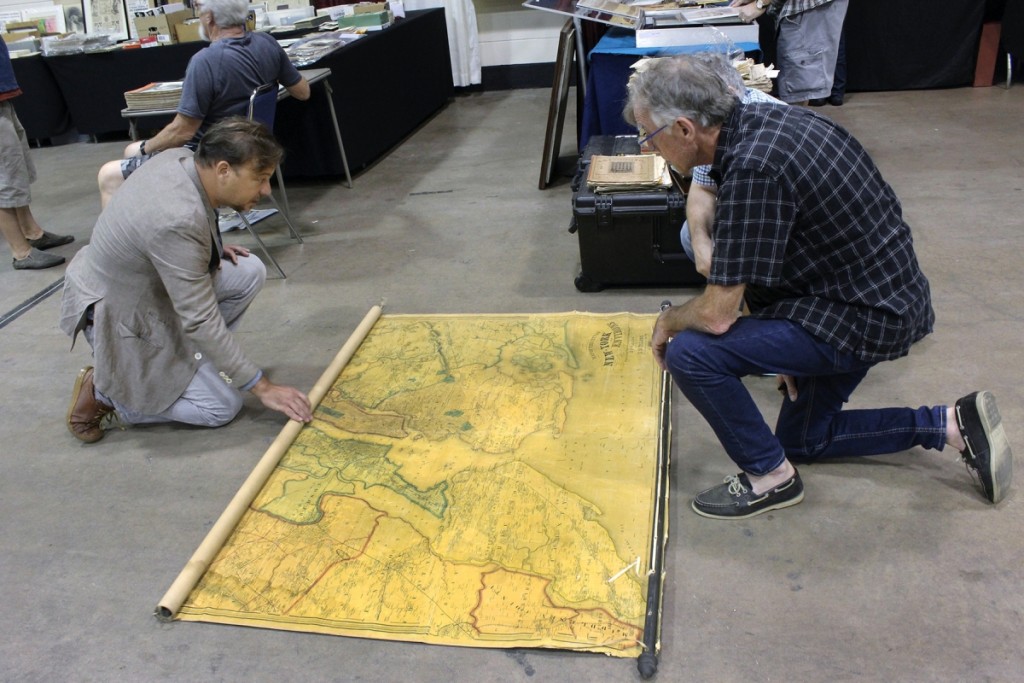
(86, 411)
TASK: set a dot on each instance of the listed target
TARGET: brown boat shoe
(85, 410)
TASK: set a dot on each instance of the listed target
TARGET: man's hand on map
(287, 400)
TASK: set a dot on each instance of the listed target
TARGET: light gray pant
(208, 400)
(808, 44)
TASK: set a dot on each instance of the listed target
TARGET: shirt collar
(723, 142)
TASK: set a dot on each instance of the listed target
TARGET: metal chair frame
(263, 108)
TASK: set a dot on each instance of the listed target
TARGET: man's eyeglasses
(643, 137)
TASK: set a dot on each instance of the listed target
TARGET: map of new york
(467, 480)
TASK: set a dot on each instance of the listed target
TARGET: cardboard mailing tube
(175, 596)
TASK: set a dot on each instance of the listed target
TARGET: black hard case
(628, 238)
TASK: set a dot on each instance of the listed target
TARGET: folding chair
(263, 108)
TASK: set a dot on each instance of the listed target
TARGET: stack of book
(628, 172)
(164, 95)
(757, 76)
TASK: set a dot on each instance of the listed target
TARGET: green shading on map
(467, 480)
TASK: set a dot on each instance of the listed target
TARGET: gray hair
(723, 65)
(697, 87)
(227, 13)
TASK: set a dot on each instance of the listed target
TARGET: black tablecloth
(912, 44)
(41, 108)
(94, 84)
(385, 85)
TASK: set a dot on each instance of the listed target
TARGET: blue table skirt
(609, 70)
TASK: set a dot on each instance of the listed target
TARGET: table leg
(337, 131)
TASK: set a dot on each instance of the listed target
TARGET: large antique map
(466, 480)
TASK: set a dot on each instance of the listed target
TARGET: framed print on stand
(74, 18)
(106, 16)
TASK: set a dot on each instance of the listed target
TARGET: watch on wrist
(142, 147)
(761, 4)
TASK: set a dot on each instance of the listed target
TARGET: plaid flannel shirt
(787, 8)
(806, 221)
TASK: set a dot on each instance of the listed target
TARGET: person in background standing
(27, 240)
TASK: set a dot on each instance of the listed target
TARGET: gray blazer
(146, 280)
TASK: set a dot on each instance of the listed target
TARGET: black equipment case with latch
(628, 238)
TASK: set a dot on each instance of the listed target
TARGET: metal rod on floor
(647, 662)
(25, 306)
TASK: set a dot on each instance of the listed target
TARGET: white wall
(513, 34)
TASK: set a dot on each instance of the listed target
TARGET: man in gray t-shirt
(218, 83)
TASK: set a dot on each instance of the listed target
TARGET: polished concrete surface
(892, 569)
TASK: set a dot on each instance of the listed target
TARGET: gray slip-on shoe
(37, 260)
(49, 240)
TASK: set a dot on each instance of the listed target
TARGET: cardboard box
(287, 17)
(683, 36)
(369, 7)
(21, 26)
(187, 32)
(15, 36)
(161, 25)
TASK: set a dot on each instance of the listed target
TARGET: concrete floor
(893, 568)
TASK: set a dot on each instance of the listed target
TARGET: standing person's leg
(838, 94)
(34, 233)
(17, 172)
(11, 230)
(807, 49)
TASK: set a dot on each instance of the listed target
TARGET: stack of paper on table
(628, 172)
(164, 95)
(757, 76)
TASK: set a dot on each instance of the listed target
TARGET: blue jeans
(708, 368)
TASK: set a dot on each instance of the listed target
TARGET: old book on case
(627, 172)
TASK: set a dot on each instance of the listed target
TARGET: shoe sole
(1000, 457)
(760, 511)
(75, 392)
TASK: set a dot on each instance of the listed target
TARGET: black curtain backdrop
(912, 44)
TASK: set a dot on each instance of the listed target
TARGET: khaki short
(16, 168)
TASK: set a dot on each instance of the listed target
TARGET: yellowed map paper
(467, 480)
